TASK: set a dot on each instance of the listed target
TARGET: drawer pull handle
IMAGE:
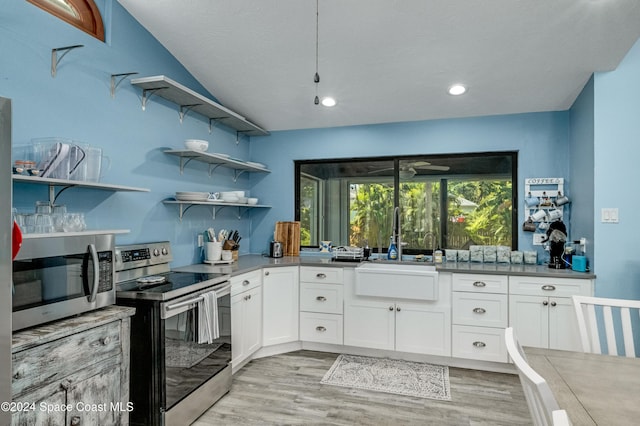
(391, 308)
(398, 309)
(545, 303)
(75, 421)
(17, 375)
(66, 384)
(479, 310)
(553, 303)
(321, 329)
(479, 284)
(548, 287)
(321, 275)
(246, 282)
(247, 297)
(479, 344)
(105, 340)
(321, 299)
(266, 273)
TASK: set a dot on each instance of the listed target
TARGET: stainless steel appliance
(174, 379)
(61, 276)
(275, 249)
(6, 186)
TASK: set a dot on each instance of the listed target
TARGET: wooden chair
(561, 418)
(600, 317)
(537, 392)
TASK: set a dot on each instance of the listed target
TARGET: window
(82, 14)
(447, 201)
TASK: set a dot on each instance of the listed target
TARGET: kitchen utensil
(196, 144)
(213, 251)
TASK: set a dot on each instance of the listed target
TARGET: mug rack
(547, 190)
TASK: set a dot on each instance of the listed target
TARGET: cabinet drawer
(478, 309)
(480, 283)
(325, 298)
(244, 282)
(546, 286)
(33, 366)
(479, 343)
(321, 275)
(321, 328)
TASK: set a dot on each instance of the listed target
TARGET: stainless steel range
(180, 335)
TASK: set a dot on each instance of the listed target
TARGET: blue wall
(77, 104)
(616, 176)
(581, 174)
(541, 140)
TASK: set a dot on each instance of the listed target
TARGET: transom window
(82, 14)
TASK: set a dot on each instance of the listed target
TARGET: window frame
(396, 179)
(90, 20)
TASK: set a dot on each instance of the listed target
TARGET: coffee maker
(556, 237)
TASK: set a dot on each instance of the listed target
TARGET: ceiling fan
(410, 169)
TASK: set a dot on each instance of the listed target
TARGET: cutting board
(288, 233)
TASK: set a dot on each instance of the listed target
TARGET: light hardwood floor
(286, 390)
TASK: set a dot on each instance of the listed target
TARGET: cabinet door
(280, 305)
(238, 319)
(93, 397)
(369, 323)
(563, 326)
(421, 328)
(252, 331)
(529, 317)
(53, 395)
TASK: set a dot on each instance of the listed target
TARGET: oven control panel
(139, 255)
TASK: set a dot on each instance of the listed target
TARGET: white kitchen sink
(397, 280)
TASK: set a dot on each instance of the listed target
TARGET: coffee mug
(532, 201)
(539, 215)
(561, 200)
(555, 214)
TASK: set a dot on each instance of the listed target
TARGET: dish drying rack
(348, 254)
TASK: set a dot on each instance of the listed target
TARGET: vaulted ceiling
(391, 60)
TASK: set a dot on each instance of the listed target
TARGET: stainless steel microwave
(61, 276)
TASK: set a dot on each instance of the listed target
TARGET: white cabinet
(541, 312)
(321, 304)
(419, 327)
(479, 315)
(280, 305)
(246, 316)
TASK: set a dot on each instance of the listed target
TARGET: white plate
(191, 198)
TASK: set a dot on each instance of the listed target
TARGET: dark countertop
(252, 262)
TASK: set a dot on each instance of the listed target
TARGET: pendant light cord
(316, 77)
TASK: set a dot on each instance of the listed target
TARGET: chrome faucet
(397, 231)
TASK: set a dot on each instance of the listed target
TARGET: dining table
(594, 389)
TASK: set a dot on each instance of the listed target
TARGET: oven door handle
(96, 272)
(219, 293)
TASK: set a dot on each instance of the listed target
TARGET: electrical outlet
(538, 239)
(609, 215)
(200, 240)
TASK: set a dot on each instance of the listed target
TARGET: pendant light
(316, 77)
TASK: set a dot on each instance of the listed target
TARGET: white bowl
(230, 199)
(252, 201)
(239, 194)
(196, 144)
(242, 200)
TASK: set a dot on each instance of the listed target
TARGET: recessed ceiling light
(457, 89)
(328, 102)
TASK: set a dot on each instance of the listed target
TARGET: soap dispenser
(392, 253)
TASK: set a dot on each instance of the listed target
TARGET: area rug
(390, 375)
